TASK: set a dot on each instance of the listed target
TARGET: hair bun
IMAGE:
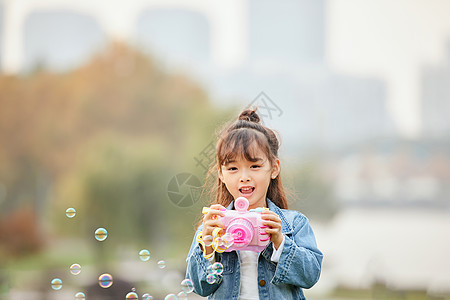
(249, 115)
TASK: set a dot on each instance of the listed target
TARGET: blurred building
(435, 99)
(60, 40)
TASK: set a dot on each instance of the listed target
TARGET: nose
(244, 177)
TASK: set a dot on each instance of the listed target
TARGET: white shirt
(249, 272)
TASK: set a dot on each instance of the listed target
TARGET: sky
(392, 40)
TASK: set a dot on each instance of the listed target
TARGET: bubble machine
(245, 226)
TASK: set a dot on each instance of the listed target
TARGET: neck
(259, 204)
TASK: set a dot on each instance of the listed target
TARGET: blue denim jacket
(299, 265)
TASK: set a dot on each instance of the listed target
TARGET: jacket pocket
(228, 260)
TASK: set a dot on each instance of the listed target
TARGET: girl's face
(249, 179)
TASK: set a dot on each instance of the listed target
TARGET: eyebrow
(257, 159)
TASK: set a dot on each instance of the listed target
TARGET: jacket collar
(286, 227)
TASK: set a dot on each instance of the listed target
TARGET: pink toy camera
(245, 227)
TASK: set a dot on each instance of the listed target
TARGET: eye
(255, 166)
(232, 169)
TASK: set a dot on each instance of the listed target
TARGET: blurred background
(111, 108)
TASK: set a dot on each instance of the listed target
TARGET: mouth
(246, 190)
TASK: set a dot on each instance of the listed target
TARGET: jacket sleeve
(300, 261)
(196, 270)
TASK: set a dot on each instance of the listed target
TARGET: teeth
(246, 189)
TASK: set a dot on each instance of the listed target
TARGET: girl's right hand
(210, 222)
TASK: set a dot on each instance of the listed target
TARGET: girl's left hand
(273, 221)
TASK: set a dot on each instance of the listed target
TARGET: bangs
(242, 143)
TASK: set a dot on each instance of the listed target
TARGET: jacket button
(262, 282)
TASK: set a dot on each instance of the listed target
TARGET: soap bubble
(56, 284)
(210, 270)
(220, 245)
(212, 278)
(217, 268)
(75, 269)
(161, 264)
(147, 296)
(132, 296)
(223, 243)
(71, 212)
(144, 254)
(101, 234)
(187, 286)
(105, 280)
(182, 296)
(229, 239)
(80, 296)
(208, 240)
(171, 297)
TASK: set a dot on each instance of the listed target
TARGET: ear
(276, 168)
(219, 173)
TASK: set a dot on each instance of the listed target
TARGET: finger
(217, 206)
(272, 230)
(213, 214)
(272, 224)
(271, 218)
(214, 223)
(210, 226)
(266, 214)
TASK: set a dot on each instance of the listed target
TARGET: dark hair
(240, 138)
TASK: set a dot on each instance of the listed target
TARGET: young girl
(248, 166)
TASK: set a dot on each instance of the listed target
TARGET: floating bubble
(208, 240)
(132, 296)
(187, 286)
(56, 284)
(101, 234)
(171, 297)
(80, 296)
(229, 239)
(147, 296)
(71, 212)
(75, 269)
(105, 280)
(182, 296)
(220, 245)
(144, 254)
(212, 278)
(223, 243)
(210, 270)
(217, 268)
(161, 264)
